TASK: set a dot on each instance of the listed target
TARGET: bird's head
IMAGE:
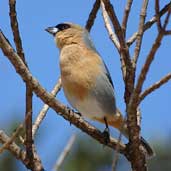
(67, 33)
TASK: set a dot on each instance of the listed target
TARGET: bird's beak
(52, 30)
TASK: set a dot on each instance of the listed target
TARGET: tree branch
(148, 24)
(45, 108)
(134, 129)
(92, 15)
(155, 86)
(15, 29)
(126, 15)
(150, 58)
(140, 33)
(12, 138)
(65, 152)
(19, 153)
(29, 94)
(108, 27)
(157, 9)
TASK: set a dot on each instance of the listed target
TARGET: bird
(86, 80)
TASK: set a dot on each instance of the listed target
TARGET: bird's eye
(63, 26)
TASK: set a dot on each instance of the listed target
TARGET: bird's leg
(106, 132)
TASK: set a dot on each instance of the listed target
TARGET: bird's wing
(108, 74)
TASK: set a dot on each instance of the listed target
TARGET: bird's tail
(119, 123)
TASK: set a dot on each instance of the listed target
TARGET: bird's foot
(106, 134)
(72, 110)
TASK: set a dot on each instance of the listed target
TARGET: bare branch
(47, 98)
(118, 30)
(167, 32)
(126, 15)
(149, 24)
(149, 59)
(167, 19)
(155, 86)
(45, 108)
(19, 153)
(134, 129)
(92, 15)
(12, 138)
(29, 94)
(140, 33)
(15, 29)
(157, 9)
(108, 27)
(116, 155)
(28, 125)
(65, 152)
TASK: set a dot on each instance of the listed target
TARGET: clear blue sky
(42, 58)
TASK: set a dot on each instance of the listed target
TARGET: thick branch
(48, 99)
(138, 159)
(92, 15)
(134, 128)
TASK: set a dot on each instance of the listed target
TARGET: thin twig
(15, 29)
(116, 154)
(65, 152)
(157, 9)
(47, 98)
(118, 30)
(148, 24)
(126, 15)
(92, 15)
(29, 94)
(19, 153)
(150, 57)
(45, 108)
(108, 27)
(28, 125)
(155, 86)
(140, 33)
(167, 32)
(12, 138)
(166, 21)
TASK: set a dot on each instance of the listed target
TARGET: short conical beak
(52, 30)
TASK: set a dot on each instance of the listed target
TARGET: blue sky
(43, 60)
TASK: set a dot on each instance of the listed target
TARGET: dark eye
(63, 26)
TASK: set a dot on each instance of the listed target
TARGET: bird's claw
(106, 134)
(72, 110)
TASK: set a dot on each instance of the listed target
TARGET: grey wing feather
(108, 74)
(104, 92)
(90, 45)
